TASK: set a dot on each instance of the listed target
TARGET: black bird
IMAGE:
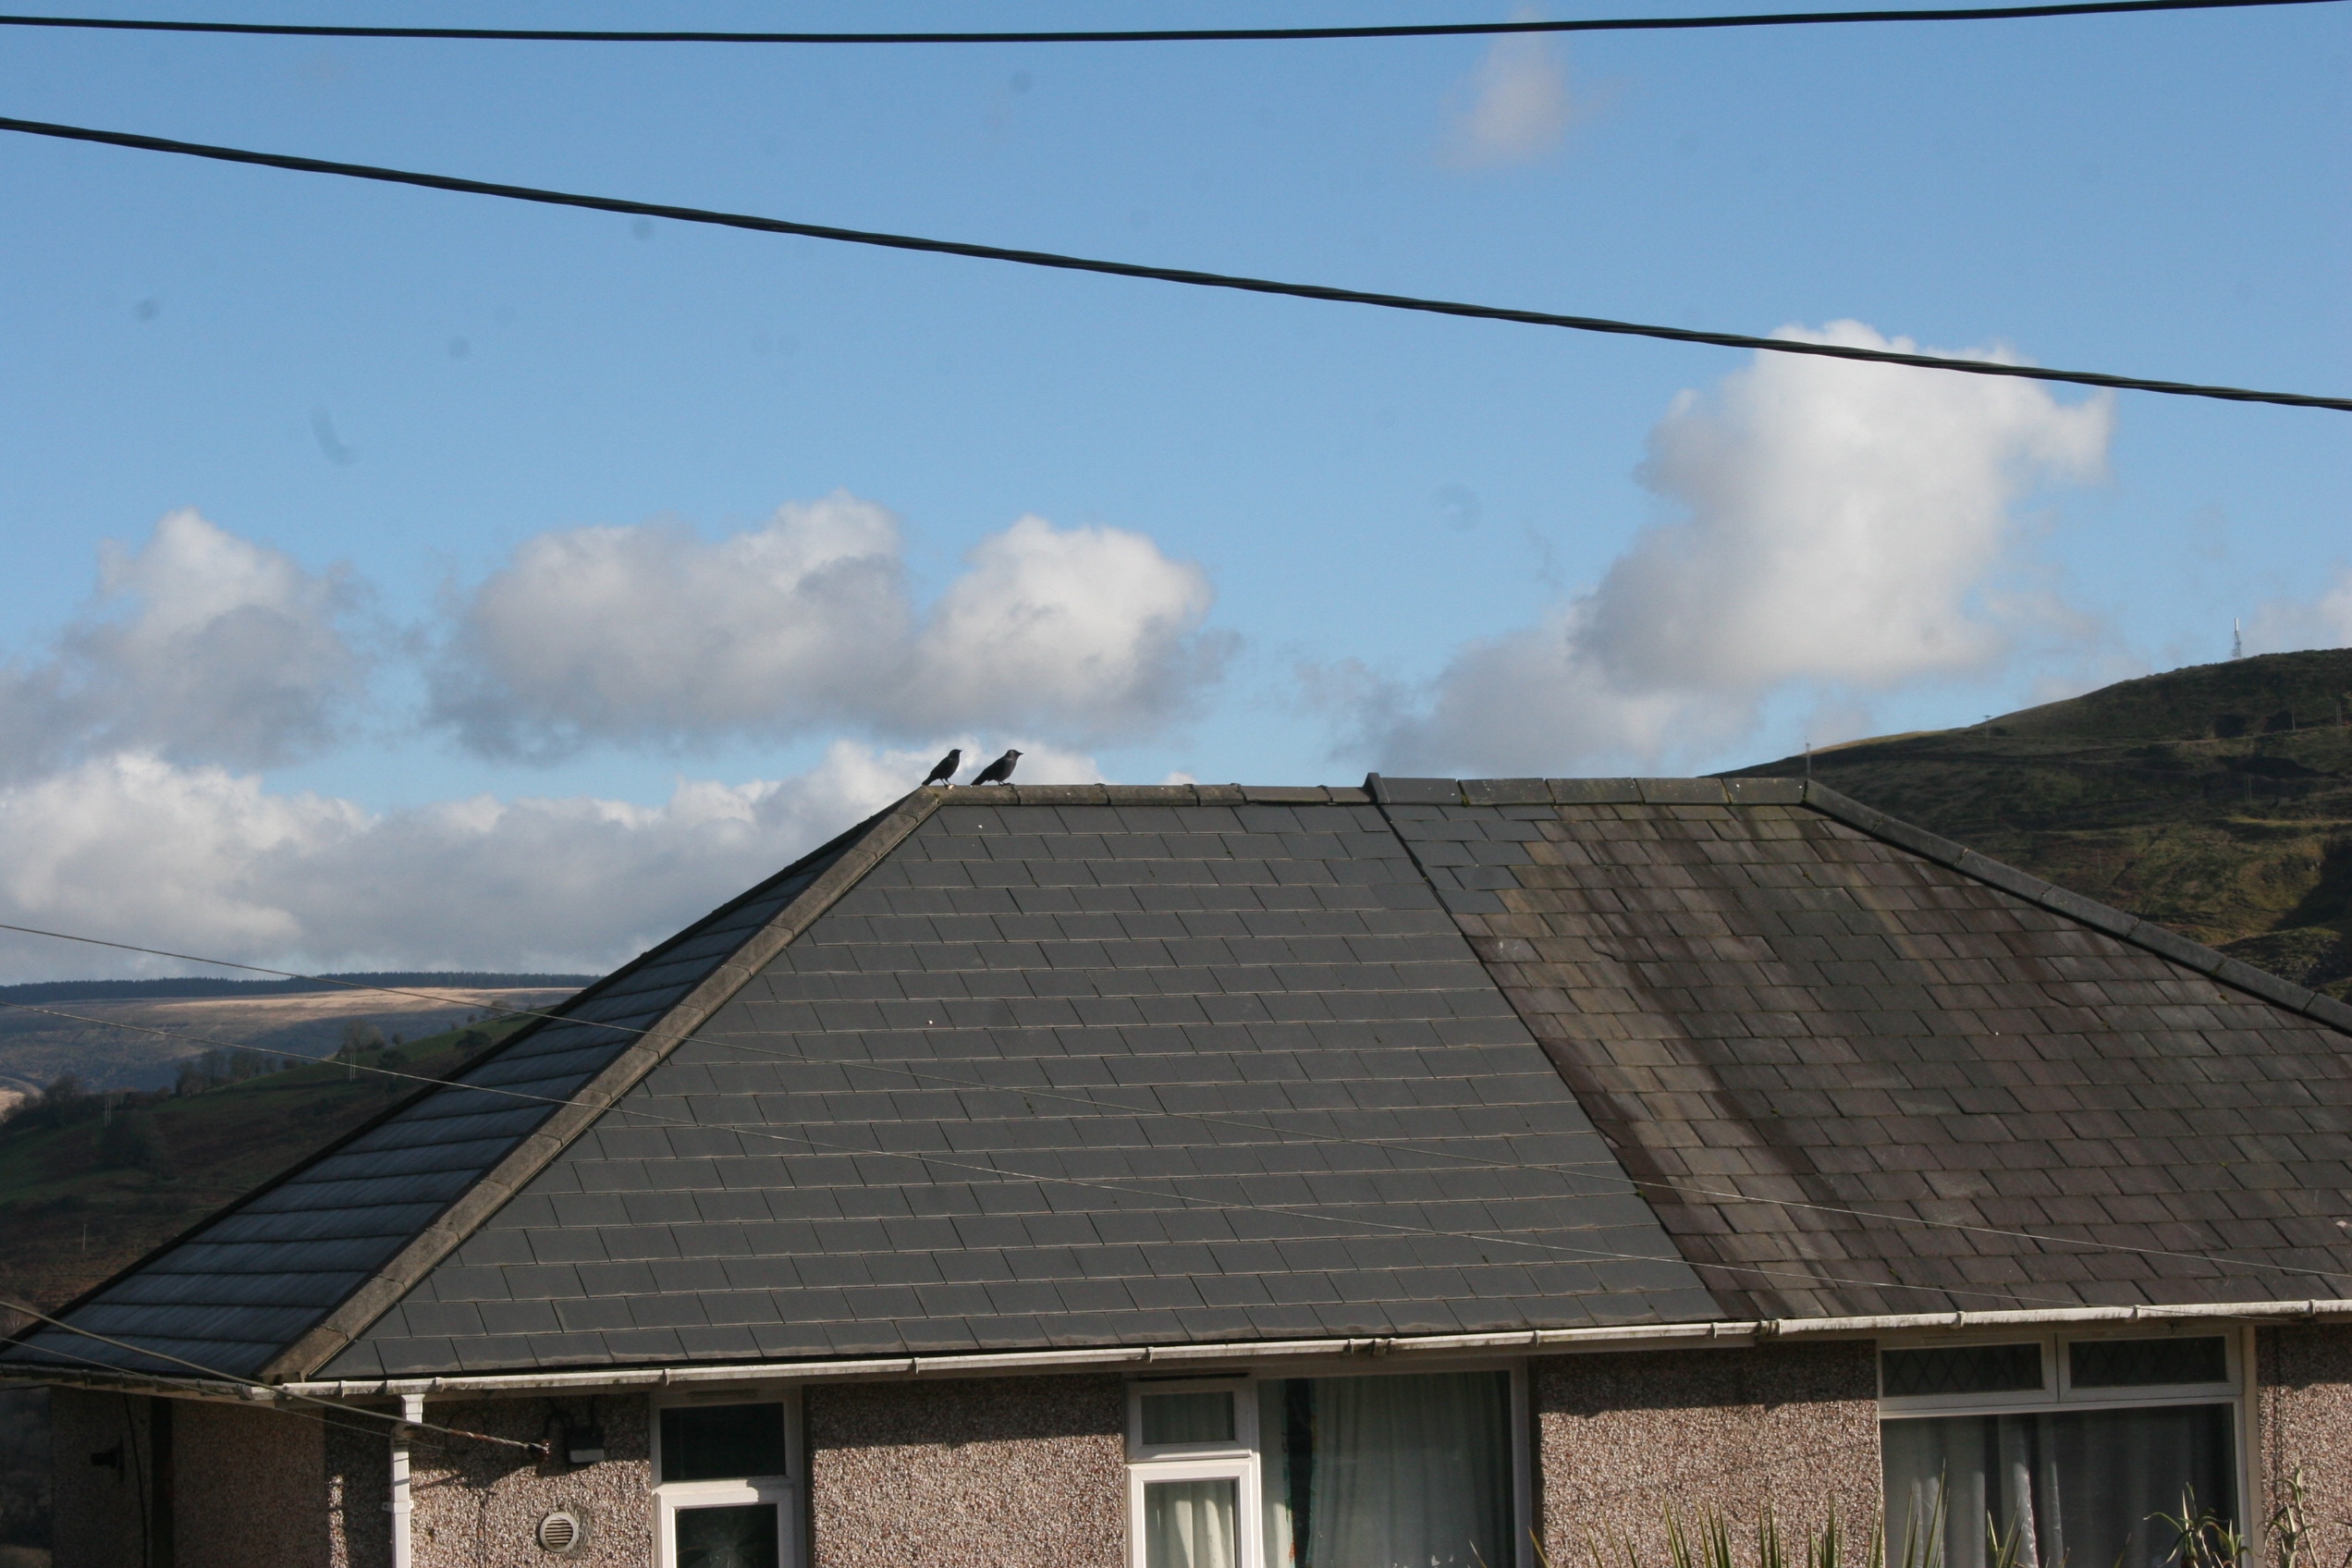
(998, 771)
(944, 770)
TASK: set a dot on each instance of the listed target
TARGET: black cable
(1162, 275)
(1153, 35)
(215, 1372)
(735, 1039)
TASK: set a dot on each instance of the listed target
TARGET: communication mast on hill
(2237, 642)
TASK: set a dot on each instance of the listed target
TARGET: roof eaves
(490, 1192)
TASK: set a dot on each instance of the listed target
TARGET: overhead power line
(1150, 35)
(736, 1039)
(1312, 1209)
(1162, 275)
(399, 1423)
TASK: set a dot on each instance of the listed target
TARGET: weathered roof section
(1851, 1062)
(1077, 1067)
(1085, 1066)
(237, 1293)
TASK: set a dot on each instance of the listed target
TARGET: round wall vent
(560, 1531)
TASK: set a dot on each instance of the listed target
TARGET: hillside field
(2216, 800)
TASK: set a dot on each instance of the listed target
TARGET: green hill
(90, 1182)
(2216, 800)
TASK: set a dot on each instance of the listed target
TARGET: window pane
(1962, 1369)
(722, 1442)
(1387, 1470)
(2080, 1486)
(743, 1536)
(2125, 1364)
(1190, 1524)
(1188, 1418)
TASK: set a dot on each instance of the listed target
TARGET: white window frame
(1235, 1461)
(1244, 1440)
(1241, 1459)
(672, 1497)
(2057, 1392)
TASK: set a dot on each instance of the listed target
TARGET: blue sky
(491, 576)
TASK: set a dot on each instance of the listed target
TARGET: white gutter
(403, 1505)
(1642, 1337)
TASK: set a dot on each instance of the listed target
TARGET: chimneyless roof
(1049, 1067)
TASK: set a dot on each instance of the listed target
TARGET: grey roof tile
(1086, 1067)
(1170, 1007)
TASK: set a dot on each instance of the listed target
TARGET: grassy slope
(2217, 799)
(68, 1220)
(37, 1046)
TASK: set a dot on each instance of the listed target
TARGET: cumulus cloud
(1091, 629)
(651, 634)
(199, 646)
(1515, 105)
(1853, 527)
(202, 859)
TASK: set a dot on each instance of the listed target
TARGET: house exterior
(1440, 1173)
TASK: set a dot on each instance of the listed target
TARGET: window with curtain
(1409, 1471)
(1403, 1472)
(2073, 1471)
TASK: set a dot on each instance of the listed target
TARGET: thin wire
(1591, 1171)
(1595, 1171)
(1007, 1174)
(285, 973)
(1163, 274)
(246, 1382)
(1150, 35)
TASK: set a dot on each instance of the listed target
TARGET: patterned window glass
(1962, 1369)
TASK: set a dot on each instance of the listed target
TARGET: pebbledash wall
(1619, 1438)
(1021, 1472)
(2303, 1402)
(1029, 1472)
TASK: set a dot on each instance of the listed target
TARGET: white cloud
(1089, 629)
(650, 634)
(136, 849)
(1848, 526)
(201, 646)
(1515, 105)
(2322, 622)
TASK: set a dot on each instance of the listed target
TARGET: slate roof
(1027, 991)
(239, 1290)
(1782, 1002)
(1095, 1065)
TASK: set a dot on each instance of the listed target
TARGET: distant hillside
(200, 985)
(135, 1033)
(89, 1182)
(2216, 800)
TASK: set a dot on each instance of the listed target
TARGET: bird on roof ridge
(998, 771)
(945, 768)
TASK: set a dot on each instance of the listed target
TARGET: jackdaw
(945, 768)
(998, 771)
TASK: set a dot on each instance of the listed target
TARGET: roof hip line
(466, 1214)
(2161, 940)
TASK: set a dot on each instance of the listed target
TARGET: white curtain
(1406, 1471)
(1189, 1524)
(2080, 1486)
